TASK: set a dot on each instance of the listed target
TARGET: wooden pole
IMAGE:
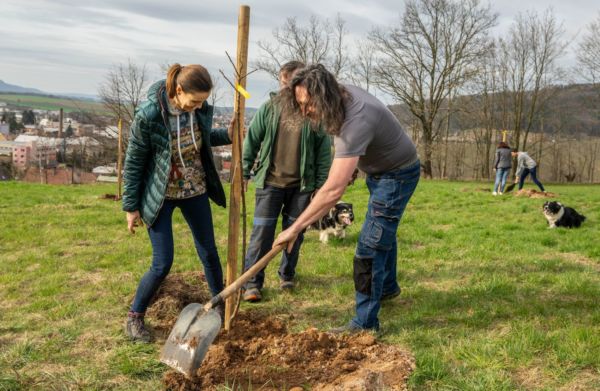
(236, 167)
(120, 159)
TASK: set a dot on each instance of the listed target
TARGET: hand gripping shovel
(198, 325)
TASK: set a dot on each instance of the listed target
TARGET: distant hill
(50, 102)
(571, 109)
(69, 104)
(5, 87)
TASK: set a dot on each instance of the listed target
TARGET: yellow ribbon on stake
(242, 91)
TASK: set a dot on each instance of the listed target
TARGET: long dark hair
(191, 78)
(326, 94)
(504, 145)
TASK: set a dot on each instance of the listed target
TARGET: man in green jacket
(293, 162)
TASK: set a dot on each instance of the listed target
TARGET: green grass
(43, 102)
(492, 299)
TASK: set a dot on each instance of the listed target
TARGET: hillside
(570, 109)
(5, 87)
(50, 102)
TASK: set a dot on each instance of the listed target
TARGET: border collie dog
(335, 222)
(562, 216)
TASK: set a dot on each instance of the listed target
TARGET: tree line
(448, 74)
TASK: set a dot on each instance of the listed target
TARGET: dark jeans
(533, 172)
(197, 214)
(270, 202)
(376, 252)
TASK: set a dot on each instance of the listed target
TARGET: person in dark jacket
(502, 165)
(294, 161)
(168, 165)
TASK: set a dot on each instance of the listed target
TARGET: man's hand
(134, 220)
(288, 236)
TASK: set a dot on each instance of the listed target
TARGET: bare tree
(362, 66)
(588, 53)
(319, 41)
(528, 58)
(481, 109)
(124, 89)
(433, 51)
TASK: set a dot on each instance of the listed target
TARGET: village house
(34, 151)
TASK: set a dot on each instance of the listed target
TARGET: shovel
(510, 187)
(198, 325)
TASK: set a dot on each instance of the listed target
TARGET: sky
(68, 46)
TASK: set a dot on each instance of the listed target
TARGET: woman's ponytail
(172, 79)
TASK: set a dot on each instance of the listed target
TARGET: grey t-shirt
(371, 131)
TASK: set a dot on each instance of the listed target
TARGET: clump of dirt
(532, 193)
(259, 353)
(110, 197)
(176, 291)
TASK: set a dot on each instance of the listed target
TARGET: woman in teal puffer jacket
(168, 165)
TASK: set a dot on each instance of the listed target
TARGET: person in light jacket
(526, 166)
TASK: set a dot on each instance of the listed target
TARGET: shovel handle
(237, 284)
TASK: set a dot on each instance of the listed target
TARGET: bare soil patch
(532, 193)
(176, 291)
(259, 352)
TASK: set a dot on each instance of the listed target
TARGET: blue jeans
(270, 202)
(533, 172)
(376, 253)
(501, 175)
(197, 214)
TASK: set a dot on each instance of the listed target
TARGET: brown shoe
(252, 295)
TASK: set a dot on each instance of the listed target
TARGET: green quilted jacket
(148, 157)
(315, 149)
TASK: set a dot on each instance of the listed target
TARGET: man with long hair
(293, 160)
(368, 135)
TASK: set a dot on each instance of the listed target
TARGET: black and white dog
(562, 216)
(335, 222)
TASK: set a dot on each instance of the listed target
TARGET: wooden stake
(120, 159)
(236, 166)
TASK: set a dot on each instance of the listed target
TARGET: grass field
(42, 102)
(492, 299)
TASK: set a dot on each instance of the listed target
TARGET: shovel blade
(192, 335)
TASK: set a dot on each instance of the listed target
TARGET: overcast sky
(67, 46)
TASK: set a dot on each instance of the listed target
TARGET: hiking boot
(286, 285)
(390, 296)
(252, 295)
(136, 328)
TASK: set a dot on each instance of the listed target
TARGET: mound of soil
(176, 291)
(259, 352)
(532, 193)
(110, 197)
